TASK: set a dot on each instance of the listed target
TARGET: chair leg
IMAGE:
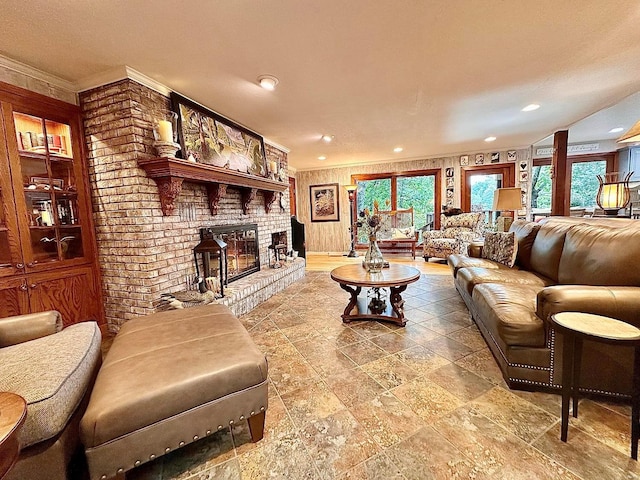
(256, 426)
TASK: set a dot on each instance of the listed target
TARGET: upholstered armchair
(53, 369)
(454, 236)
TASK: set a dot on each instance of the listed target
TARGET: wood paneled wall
(333, 237)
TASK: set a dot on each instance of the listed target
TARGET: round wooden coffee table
(374, 305)
(13, 411)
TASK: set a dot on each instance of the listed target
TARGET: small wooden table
(353, 277)
(13, 411)
(576, 327)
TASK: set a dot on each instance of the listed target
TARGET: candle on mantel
(165, 131)
(273, 166)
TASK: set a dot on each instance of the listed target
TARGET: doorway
(480, 182)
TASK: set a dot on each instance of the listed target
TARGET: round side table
(576, 327)
(13, 411)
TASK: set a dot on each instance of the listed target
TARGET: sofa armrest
(22, 328)
(622, 303)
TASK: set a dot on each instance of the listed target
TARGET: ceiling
(434, 77)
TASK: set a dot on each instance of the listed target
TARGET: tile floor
(376, 401)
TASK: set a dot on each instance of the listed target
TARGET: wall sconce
(613, 193)
(506, 201)
(633, 135)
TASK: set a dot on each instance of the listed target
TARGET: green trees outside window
(397, 192)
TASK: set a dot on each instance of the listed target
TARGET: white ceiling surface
(435, 77)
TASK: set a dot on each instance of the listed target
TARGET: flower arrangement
(370, 221)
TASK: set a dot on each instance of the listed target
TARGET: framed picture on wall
(209, 138)
(325, 204)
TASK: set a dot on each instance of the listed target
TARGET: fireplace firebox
(234, 252)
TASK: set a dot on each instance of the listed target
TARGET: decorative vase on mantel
(373, 260)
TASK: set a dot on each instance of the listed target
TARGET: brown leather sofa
(53, 369)
(563, 264)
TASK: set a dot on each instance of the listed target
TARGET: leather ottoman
(170, 379)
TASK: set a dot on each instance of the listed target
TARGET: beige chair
(52, 369)
(455, 234)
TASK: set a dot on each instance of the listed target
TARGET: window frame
(436, 172)
(611, 159)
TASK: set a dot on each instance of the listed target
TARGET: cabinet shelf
(42, 156)
(169, 173)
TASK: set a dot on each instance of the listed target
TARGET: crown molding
(276, 145)
(37, 74)
(116, 74)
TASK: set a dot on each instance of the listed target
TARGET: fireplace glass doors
(242, 254)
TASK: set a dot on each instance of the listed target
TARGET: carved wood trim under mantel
(167, 171)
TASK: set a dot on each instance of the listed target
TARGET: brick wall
(141, 252)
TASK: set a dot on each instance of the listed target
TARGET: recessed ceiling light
(616, 130)
(398, 149)
(531, 107)
(268, 82)
(327, 138)
(489, 139)
(322, 157)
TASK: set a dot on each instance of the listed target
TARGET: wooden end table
(576, 327)
(13, 411)
(352, 278)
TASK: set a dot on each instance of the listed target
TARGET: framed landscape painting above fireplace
(325, 206)
(209, 138)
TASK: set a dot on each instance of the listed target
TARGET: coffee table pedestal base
(358, 307)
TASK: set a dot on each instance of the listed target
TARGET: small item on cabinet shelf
(192, 158)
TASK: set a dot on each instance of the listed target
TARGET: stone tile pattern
(141, 252)
(353, 402)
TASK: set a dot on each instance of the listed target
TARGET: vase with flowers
(371, 222)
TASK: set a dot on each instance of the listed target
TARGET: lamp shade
(633, 135)
(351, 188)
(507, 199)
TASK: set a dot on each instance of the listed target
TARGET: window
(483, 188)
(584, 182)
(419, 190)
(541, 187)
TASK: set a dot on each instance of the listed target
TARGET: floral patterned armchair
(454, 236)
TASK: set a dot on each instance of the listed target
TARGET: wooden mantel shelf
(169, 173)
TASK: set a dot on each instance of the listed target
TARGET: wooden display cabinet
(47, 239)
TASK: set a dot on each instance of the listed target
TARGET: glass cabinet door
(11, 262)
(49, 190)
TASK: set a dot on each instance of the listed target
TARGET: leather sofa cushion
(52, 374)
(470, 277)
(526, 233)
(594, 255)
(508, 311)
(547, 249)
(167, 363)
(458, 261)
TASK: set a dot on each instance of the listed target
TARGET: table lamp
(613, 193)
(506, 201)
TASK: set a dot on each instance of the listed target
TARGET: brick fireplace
(143, 253)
